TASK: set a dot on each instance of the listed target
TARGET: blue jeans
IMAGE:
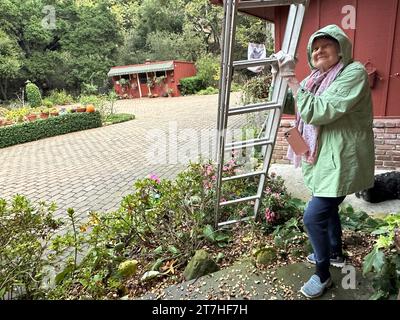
(322, 222)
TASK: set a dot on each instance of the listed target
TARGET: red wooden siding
(376, 39)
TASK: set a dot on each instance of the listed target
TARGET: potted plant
(54, 112)
(31, 117)
(44, 113)
(81, 109)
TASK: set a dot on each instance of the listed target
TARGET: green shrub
(31, 131)
(47, 103)
(383, 262)
(33, 95)
(91, 99)
(208, 70)
(209, 90)
(60, 98)
(25, 233)
(191, 85)
(256, 89)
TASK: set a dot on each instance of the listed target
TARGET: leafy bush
(277, 204)
(48, 103)
(89, 88)
(209, 90)
(31, 131)
(208, 70)
(256, 89)
(60, 97)
(357, 220)
(33, 95)
(384, 259)
(24, 238)
(191, 85)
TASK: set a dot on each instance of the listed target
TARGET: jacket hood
(335, 32)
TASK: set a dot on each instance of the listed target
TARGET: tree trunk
(3, 89)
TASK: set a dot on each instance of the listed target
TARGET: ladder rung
(267, 3)
(241, 64)
(225, 203)
(247, 144)
(262, 106)
(244, 175)
(222, 224)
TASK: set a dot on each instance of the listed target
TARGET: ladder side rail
(290, 44)
(229, 38)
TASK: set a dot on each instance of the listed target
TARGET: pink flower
(276, 195)
(214, 178)
(270, 216)
(155, 178)
(209, 169)
(207, 185)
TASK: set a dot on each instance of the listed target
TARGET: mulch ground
(245, 239)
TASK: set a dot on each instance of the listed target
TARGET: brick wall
(387, 143)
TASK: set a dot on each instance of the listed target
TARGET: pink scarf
(316, 83)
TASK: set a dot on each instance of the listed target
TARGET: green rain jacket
(346, 158)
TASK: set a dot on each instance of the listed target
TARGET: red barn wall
(183, 70)
(376, 38)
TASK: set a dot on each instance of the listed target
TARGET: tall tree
(10, 61)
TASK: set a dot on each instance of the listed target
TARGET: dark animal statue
(386, 187)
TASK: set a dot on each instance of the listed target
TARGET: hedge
(191, 85)
(54, 126)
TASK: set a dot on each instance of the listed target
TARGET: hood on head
(335, 32)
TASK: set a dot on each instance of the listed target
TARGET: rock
(266, 256)
(200, 265)
(127, 268)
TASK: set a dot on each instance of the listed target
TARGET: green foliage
(31, 131)
(26, 230)
(219, 238)
(256, 89)
(357, 220)
(60, 97)
(383, 262)
(33, 95)
(119, 117)
(10, 60)
(63, 57)
(291, 232)
(209, 90)
(277, 204)
(191, 85)
(89, 88)
(208, 70)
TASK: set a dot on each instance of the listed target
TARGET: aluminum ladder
(274, 107)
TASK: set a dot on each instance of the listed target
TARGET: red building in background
(374, 29)
(151, 79)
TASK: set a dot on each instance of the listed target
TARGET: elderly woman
(334, 115)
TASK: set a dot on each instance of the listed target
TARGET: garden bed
(44, 128)
(147, 243)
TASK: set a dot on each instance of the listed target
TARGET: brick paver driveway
(93, 169)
